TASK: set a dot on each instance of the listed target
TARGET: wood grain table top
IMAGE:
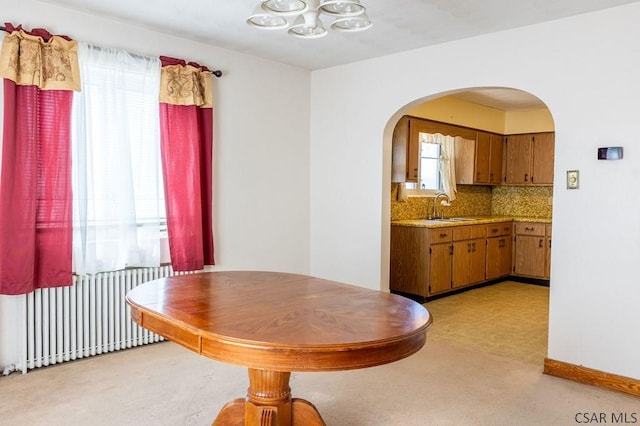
(280, 321)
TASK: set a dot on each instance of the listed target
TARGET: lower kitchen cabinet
(468, 255)
(427, 262)
(409, 252)
(547, 274)
(499, 250)
(440, 261)
(432, 261)
(532, 251)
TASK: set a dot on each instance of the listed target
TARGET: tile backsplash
(477, 200)
(529, 201)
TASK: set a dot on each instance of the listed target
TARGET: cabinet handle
(528, 229)
(540, 243)
(549, 242)
(468, 247)
(451, 249)
(473, 247)
(494, 230)
(506, 228)
(443, 235)
(526, 177)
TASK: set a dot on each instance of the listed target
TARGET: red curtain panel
(35, 189)
(186, 132)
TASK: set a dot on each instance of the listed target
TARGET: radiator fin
(86, 319)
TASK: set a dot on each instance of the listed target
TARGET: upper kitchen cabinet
(528, 159)
(404, 158)
(543, 152)
(406, 150)
(481, 157)
(479, 161)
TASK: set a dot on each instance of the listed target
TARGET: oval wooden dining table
(276, 323)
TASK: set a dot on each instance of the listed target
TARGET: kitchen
(497, 226)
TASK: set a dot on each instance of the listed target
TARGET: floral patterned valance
(186, 84)
(51, 63)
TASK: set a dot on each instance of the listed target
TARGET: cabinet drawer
(440, 235)
(461, 233)
(527, 228)
(499, 229)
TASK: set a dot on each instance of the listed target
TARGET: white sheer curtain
(117, 180)
(448, 166)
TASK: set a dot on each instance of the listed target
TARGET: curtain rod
(217, 73)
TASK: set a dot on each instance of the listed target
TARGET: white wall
(261, 163)
(585, 69)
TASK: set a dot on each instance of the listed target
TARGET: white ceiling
(398, 25)
(502, 99)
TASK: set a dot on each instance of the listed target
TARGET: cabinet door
(548, 244)
(506, 255)
(547, 271)
(477, 261)
(542, 170)
(530, 256)
(468, 263)
(498, 257)
(518, 159)
(461, 261)
(483, 158)
(400, 152)
(495, 162)
(464, 159)
(494, 258)
(440, 268)
(413, 151)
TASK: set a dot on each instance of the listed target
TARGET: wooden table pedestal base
(269, 403)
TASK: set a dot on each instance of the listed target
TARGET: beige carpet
(507, 319)
(446, 383)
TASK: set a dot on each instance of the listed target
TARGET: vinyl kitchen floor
(507, 319)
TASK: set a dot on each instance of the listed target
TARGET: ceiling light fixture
(305, 15)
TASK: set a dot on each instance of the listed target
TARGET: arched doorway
(506, 315)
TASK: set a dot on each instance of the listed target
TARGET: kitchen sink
(454, 219)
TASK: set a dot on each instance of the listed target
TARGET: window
(429, 177)
(436, 165)
(117, 176)
(429, 165)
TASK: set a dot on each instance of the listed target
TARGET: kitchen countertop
(476, 220)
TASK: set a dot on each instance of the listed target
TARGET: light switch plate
(573, 179)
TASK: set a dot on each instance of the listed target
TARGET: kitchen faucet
(434, 215)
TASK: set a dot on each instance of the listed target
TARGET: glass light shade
(308, 25)
(285, 7)
(342, 8)
(274, 14)
(264, 20)
(352, 23)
